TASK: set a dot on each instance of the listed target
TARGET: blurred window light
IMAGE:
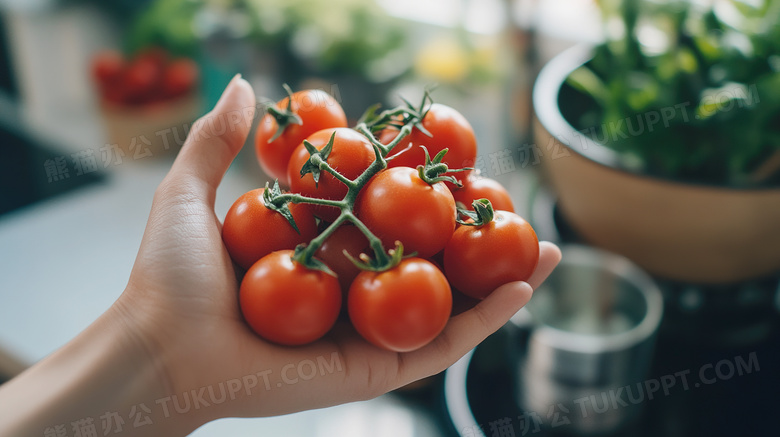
(571, 20)
(478, 16)
(654, 41)
(26, 5)
(485, 16)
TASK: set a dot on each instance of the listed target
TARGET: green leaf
(585, 80)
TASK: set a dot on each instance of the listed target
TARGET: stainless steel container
(584, 343)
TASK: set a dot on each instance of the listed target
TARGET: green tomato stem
(315, 244)
(298, 198)
(406, 130)
(385, 148)
(344, 180)
(284, 117)
(346, 205)
(374, 241)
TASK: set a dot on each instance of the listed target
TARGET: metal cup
(585, 341)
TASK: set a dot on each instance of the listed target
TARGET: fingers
(216, 138)
(467, 330)
(549, 256)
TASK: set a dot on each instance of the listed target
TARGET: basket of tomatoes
(384, 222)
(147, 101)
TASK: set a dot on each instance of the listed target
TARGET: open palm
(185, 289)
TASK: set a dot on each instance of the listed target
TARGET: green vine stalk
(404, 118)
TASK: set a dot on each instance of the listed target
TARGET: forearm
(105, 378)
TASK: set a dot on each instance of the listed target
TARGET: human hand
(181, 314)
(184, 285)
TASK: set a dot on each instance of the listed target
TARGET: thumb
(216, 138)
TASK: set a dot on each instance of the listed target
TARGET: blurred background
(96, 98)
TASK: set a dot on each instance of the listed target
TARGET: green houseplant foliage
(324, 37)
(334, 36)
(686, 90)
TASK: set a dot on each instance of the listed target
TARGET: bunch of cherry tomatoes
(151, 76)
(358, 200)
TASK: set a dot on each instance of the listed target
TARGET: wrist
(151, 361)
(109, 377)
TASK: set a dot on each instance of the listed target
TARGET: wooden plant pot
(150, 131)
(692, 233)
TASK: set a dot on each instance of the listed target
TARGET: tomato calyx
(433, 170)
(398, 117)
(378, 264)
(421, 111)
(271, 197)
(283, 117)
(483, 213)
(376, 121)
(302, 256)
(318, 161)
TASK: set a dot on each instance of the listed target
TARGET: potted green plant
(663, 142)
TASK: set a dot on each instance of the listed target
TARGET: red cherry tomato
(401, 309)
(449, 130)
(479, 259)
(317, 110)
(156, 55)
(115, 93)
(483, 188)
(351, 155)
(252, 231)
(141, 80)
(287, 303)
(346, 237)
(179, 77)
(397, 205)
(107, 67)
